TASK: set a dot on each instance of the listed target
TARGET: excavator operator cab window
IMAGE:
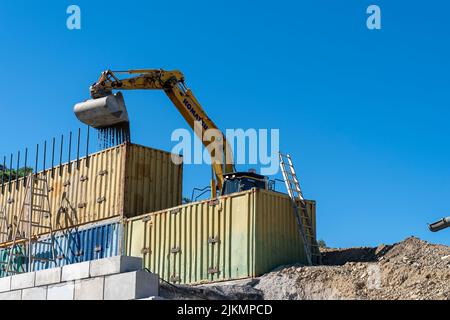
(242, 181)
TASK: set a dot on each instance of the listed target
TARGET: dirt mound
(411, 269)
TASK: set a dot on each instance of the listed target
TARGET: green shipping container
(238, 236)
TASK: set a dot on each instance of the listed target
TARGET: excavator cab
(242, 181)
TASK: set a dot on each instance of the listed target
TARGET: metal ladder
(34, 217)
(304, 221)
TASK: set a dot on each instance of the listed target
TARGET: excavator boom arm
(172, 82)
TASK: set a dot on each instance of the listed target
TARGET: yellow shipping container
(126, 180)
(237, 236)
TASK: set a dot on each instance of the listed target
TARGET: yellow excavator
(108, 110)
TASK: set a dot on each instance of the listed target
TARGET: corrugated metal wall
(19, 263)
(93, 189)
(241, 235)
(277, 239)
(125, 180)
(152, 181)
(94, 241)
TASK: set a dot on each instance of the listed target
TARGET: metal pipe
(17, 170)
(3, 172)
(87, 147)
(70, 149)
(53, 157)
(78, 148)
(10, 172)
(25, 166)
(37, 159)
(440, 225)
(45, 157)
(70, 152)
(60, 155)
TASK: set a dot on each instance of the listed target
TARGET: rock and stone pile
(410, 269)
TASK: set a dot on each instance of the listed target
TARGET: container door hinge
(98, 248)
(175, 278)
(83, 178)
(146, 251)
(175, 211)
(10, 200)
(67, 183)
(101, 199)
(103, 172)
(79, 253)
(146, 218)
(82, 205)
(213, 270)
(213, 240)
(214, 202)
(175, 250)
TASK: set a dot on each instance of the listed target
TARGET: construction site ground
(411, 269)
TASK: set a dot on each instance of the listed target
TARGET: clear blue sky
(363, 113)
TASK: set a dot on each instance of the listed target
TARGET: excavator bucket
(103, 112)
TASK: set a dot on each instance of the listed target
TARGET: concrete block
(153, 298)
(36, 293)
(23, 280)
(49, 276)
(131, 285)
(75, 271)
(11, 295)
(113, 265)
(5, 284)
(62, 291)
(89, 289)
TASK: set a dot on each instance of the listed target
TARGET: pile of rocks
(410, 269)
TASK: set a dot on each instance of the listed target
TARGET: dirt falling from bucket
(114, 135)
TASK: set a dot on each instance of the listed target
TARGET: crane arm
(172, 82)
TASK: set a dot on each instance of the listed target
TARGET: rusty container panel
(90, 191)
(238, 236)
(79, 192)
(125, 180)
(152, 181)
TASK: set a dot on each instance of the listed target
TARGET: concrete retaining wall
(116, 278)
